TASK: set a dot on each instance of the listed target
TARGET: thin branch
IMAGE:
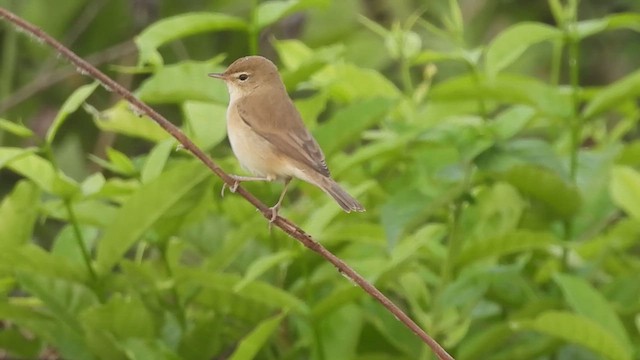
(287, 226)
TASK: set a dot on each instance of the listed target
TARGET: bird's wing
(279, 122)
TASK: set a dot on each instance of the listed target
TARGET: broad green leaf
(18, 213)
(31, 258)
(123, 317)
(592, 27)
(510, 89)
(483, 342)
(38, 170)
(93, 184)
(625, 89)
(18, 345)
(156, 160)
(347, 124)
(144, 208)
(348, 83)
(516, 241)
(293, 53)
(587, 301)
(206, 123)
(72, 104)
(625, 189)
(15, 129)
(340, 331)
(217, 292)
(514, 41)
(120, 163)
(64, 299)
(262, 265)
(122, 120)
(177, 27)
(89, 212)
(511, 121)
(143, 349)
(547, 187)
(578, 330)
(182, 82)
(249, 347)
(270, 12)
(67, 342)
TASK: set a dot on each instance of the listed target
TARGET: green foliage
(501, 180)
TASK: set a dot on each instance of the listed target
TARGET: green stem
(73, 220)
(556, 63)
(405, 71)
(576, 123)
(79, 238)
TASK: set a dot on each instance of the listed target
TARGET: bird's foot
(274, 214)
(232, 188)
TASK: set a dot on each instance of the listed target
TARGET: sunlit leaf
(18, 213)
(15, 128)
(271, 11)
(207, 125)
(514, 41)
(122, 120)
(70, 105)
(249, 347)
(144, 208)
(627, 88)
(578, 330)
(516, 241)
(587, 301)
(625, 189)
(177, 27)
(184, 81)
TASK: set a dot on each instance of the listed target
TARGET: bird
(267, 134)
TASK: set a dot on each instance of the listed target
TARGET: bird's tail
(346, 201)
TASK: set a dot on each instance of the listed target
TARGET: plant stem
(80, 239)
(254, 31)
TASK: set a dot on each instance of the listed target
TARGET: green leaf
(347, 124)
(515, 40)
(515, 241)
(510, 89)
(120, 163)
(587, 301)
(156, 160)
(142, 349)
(179, 26)
(217, 292)
(121, 120)
(107, 326)
(546, 186)
(38, 170)
(249, 347)
(625, 189)
(207, 125)
(293, 53)
(144, 208)
(16, 129)
(31, 258)
(625, 89)
(262, 265)
(182, 82)
(64, 299)
(578, 330)
(348, 83)
(511, 121)
(18, 214)
(72, 104)
(270, 12)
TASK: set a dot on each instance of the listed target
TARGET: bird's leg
(237, 179)
(274, 209)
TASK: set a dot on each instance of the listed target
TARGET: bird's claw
(232, 188)
(274, 215)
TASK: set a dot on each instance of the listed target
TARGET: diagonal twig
(284, 224)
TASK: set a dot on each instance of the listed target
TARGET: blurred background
(494, 144)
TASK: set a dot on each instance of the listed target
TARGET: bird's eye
(243, 77)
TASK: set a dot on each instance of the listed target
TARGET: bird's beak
(217, 75)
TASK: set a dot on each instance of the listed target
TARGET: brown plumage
(267, 134)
